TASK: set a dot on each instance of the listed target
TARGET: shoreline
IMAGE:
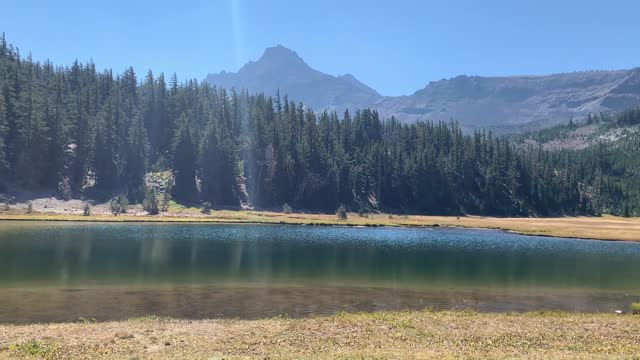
(592, 228)
(33, 303)
(395, 334)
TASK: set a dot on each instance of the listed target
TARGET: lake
(108, 271)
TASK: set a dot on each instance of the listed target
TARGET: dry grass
(603, 228)
(399, 335)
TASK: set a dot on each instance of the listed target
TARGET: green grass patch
(635, 308)
(35, 348)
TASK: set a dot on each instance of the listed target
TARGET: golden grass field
(383, 335)
(602, 228)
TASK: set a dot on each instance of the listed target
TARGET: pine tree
(185, 162)
(106, 158)
(209, 168)
(150, 203)
(4, 170)
(135, 168)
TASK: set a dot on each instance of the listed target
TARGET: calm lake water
(63, 271)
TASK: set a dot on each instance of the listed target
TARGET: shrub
(341, 213)
(114, 205)
(124, 203)
(29, 207)
(86, 210)
(206, 207)
(287, 209)
(119, 204)
(150, 202)
(635, 308)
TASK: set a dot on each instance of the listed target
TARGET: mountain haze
(281, 68)
(504, 103)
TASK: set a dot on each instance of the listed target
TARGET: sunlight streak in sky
(238, 36)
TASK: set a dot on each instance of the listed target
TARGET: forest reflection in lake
(59, 271)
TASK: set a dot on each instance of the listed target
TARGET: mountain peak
(280, 68)
(280, 55)
(348, 77)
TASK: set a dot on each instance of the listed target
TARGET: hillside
(604, 130)
(604, 148)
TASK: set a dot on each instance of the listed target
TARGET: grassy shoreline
(597, 228)
(404, 334)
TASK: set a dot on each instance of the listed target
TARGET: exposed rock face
(500, 103)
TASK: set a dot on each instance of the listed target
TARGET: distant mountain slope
(281, 68)
(611, 130)
(499, 103)
(517, 101)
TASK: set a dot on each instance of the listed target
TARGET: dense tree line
(98, 134)
(608, 169)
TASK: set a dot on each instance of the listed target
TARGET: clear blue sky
(396, 46)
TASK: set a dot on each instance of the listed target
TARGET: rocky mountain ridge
(506, 103)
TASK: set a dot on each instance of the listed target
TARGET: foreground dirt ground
(395, 335)
(602, 228)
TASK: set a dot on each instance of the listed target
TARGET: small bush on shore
(341, 213)
(114, 205)
(86, 210)
(119, 205)
(206, 207)
(635, 308)
(287, 209)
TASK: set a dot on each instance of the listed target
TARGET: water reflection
(340, 267)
